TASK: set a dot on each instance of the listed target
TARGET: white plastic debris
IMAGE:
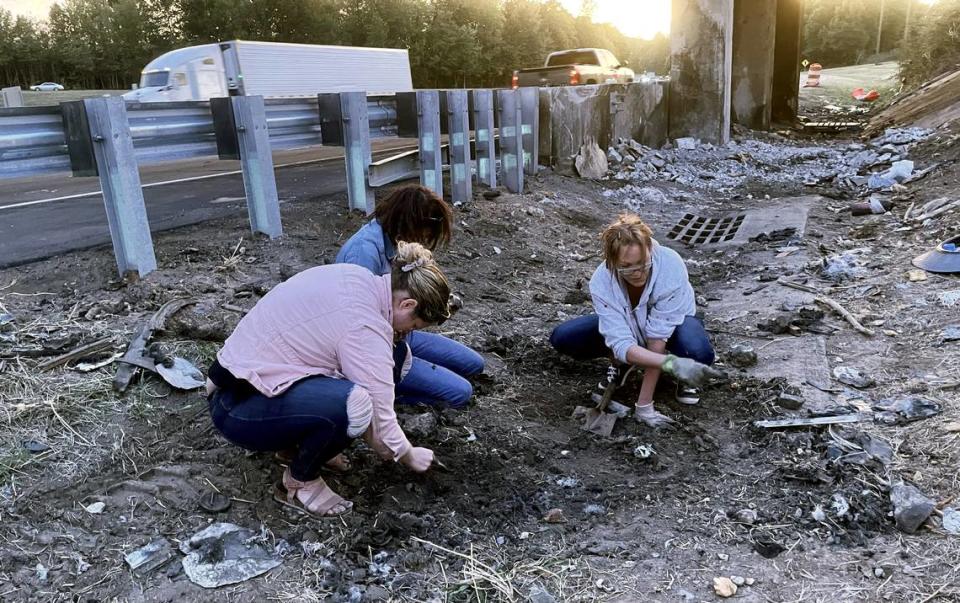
(182, 375)
(224, 553)
(95, 508)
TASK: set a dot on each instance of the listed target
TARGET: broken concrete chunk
(789, 401)
(951, 333)
(910, 507)
(687, 144)
(741, 355)
(724, 587)
(951, 521)
(148, 558)
(555, 516)
(421, 425)
(852, 377)
(591, 162)
(224, 553)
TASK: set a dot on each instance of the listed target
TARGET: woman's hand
(418, 459)
(690, 371)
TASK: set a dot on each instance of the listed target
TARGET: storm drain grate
(697, 230)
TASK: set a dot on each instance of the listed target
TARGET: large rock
(910, 507)
(591, 162)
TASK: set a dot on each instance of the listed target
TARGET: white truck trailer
(270, 69)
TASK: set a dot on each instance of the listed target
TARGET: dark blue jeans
(438, 373)
(580, 338)
(311, 415)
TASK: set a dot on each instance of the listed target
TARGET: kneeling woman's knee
(473, 365)
(704, 354)
(460, 394)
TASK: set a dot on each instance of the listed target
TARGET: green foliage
(473, 43)
(934, 46)
(844, 32)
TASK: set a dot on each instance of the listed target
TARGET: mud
(716, 497)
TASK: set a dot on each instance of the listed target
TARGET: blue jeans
(580, 339)
(311, 415)
(438, 373)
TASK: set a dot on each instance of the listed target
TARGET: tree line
(104, 44)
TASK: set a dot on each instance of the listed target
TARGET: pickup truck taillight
(515, 82)
(574, 77)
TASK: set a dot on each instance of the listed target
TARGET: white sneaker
(687, 395)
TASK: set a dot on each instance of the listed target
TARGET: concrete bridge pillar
(754, 35)
(701, 53)
(786, 61)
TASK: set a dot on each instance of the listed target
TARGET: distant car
(47, 87)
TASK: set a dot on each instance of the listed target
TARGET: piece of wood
(135, 357)
(800, 422)
(100, 345)
(799, 286)
(836, 307)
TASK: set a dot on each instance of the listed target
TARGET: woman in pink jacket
(313, 366)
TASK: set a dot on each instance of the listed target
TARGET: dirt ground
(646, 515)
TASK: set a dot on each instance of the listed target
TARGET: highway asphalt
(44, 216)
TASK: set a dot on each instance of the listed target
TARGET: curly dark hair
(417, 214)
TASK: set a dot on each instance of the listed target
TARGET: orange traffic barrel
(813, 76)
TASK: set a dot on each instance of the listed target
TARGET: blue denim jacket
(369, 247)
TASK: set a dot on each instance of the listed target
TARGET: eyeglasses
(634, 269)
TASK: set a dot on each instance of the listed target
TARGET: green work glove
(690, 371)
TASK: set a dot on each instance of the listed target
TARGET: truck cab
(193, 73)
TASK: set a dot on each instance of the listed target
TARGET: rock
(917, 276)
(910, 507)
(723, 556)
(724, 587)
(613, 156)
(535, 212)
(555, 516)
(491, 194)
(687, 144)
(95, 508)
(878, 572)
(421, 425)
(747, 516)
(738, 580)
(539, 594)
(741, 355)
(852, 377)
(951, 521)
(952, 427)
(951, 333)
(750, 581)
(789, 401)
(591, 162)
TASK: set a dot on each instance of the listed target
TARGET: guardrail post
(486, 149)
(458, 119)
(511, 139)
(120, 183)
(256, 161)
(344, 120)
(530, 120)
(429, 144)
(12, 96)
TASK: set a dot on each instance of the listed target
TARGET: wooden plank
(806, 422)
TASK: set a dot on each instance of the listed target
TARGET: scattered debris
(150, 557)
(182, 375)
(740, 355)
(135, 355)
(789, 401)
(832, 420)
(853, 377)
(555, 516)
(949, 299)
(900, 411)
(687, 144)
(724, 587)
(863, 96)
(847, 265)
(95, 508)
(224, 553)
(916, 276)
(591, 162)
(857, 447)
(910, 507)
(97, 347)
(213, 502)
(951, 521)
(931, 209)
(950, 334)
(538, 594)
(594, 509)
(34, 446)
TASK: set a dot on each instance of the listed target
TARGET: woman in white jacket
(645, 317)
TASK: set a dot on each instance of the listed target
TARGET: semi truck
(270, 69)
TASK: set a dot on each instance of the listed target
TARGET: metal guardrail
(32, 139)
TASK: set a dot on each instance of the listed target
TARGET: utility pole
(880, 26)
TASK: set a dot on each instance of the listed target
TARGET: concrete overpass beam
(701, 54)
(786, 60)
